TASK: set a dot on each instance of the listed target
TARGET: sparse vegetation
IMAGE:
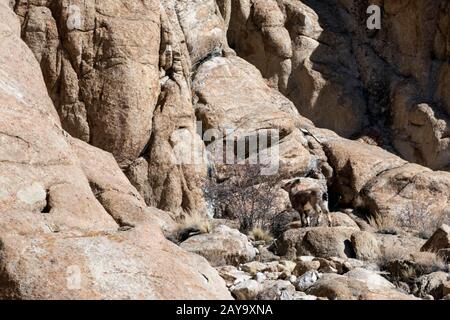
(247, 196)
(415, 219)
(189, 226)
(258, 234)
(408, 267)
(418, 219)
(197, 221)
(384, 224)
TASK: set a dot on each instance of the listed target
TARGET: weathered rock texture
(390, 85)
(222, 246)
(143, 80)
(71, 225)
(439, 240)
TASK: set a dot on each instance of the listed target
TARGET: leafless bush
(418, 218)
(414, 218)
(247, 196)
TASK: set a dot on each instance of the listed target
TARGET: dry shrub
(384, 224)
(418, 218)
(247, 196)
(408, 267)
(429, 262)
(189, 226)
(392, 253)
(258, 234)
(195, 221)
(415, 219)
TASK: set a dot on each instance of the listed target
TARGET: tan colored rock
(285, 245)
(327, 242)
(338, 287)
(339, 219)
(349, 71)
(365, 246)
(106, 67)
(275, 289)
(304, 266)
(248, 108)
(286, 266)
(434, 284)
(398, 246)
(439, 240)
(232, 275)
(422, 132)
(124, 265)
(446, 288)
(280, 38)
(107, 79)
(222, 246)
(412, 196)
(247, 290)
(356, 164)
(373, 280)
(72, 226)
(203, 27)
(390, 189)
(254, 267)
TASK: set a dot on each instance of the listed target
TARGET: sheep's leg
(319, 212)
(305, 221)
(330, 222)
(325, 210)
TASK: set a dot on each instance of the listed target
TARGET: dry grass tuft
(259, 234)
(196, 221)
(384, 224)
(189, 226)
(408, 267)
(415, 219)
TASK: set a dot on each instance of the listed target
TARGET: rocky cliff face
(92, 155)
(389, 85)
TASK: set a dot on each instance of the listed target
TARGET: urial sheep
(309, 199)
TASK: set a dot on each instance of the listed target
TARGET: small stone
(284, 275)
(304, 266)
(307, 280)
(286, 265)
(253, 267)
(446, 287)
(272, 275)
(444, 254)
(232, 275)
(274, 290)
(305, 258)
(439, 240)
(260, 277)
(247, 290)
(331, 266)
